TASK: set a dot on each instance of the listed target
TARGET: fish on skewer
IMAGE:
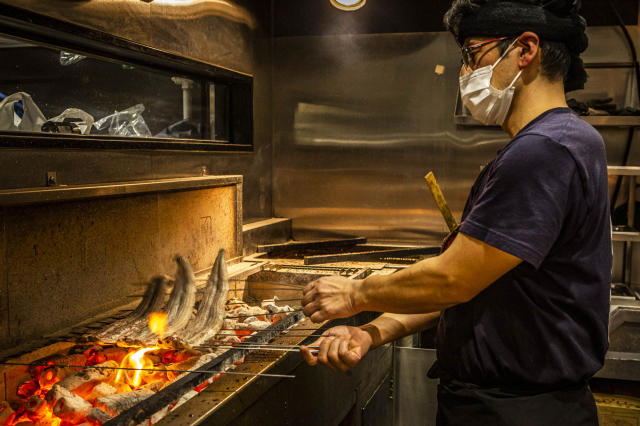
(179, 308)
(153, 300)
(210, 316)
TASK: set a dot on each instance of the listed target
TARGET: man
(524, 286)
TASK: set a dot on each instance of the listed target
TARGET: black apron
(465, 404)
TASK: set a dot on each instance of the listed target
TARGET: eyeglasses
(468, 55)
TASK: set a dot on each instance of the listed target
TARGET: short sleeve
(522, 207)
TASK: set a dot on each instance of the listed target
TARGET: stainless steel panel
(378, 410)
(360, 119)
(358, 124)
(623, 357)
(415, 396)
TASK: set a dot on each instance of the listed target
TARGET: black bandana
(555, 20)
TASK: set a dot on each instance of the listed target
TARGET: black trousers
(465, 404)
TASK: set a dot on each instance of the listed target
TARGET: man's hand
(329, 298)
(341, 348)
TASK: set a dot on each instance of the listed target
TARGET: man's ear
(530, 48)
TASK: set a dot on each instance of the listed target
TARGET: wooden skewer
(438, 196)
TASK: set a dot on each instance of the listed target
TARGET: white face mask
(487, 104)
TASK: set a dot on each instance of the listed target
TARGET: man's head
(552, 30)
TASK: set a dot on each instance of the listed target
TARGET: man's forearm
(389, 327)
(421, 288)
(466, 268)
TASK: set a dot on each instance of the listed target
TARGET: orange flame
(135, 360)
(42, 413)
(158, 323)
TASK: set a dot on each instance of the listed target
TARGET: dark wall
(96, 86)
(319, 17)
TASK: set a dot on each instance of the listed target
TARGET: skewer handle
(438, 196)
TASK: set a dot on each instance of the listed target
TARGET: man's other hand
(340, 348)
(329, 298)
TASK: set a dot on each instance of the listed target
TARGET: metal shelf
(626, 236)
(612, 120)
(623, 170)
(594, 120)
(20, 196)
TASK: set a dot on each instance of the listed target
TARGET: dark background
(318, 17)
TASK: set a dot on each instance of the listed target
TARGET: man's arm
(466, 268)
(389, 327)
(342, 347)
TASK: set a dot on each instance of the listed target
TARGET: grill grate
(160, 400)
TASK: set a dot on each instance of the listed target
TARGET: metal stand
(628, 237)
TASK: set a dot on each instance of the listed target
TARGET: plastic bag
(184, 129)
(78, 117)
(68, 58)
(125, 123)
(32, 118)
(17, 106)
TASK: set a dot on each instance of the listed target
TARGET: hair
(555, 59)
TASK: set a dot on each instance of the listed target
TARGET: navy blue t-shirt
(544, 199)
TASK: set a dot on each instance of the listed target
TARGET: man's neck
(530, 101)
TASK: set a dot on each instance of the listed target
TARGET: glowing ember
(158, 323)
(59, 391)
(134, 360)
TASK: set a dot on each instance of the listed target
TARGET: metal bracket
(52, 179)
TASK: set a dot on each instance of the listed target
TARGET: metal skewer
(285, 376)
(276, 301)
(281, 331)
(269, 345)
(284, 283)
(258, 348)
(292, 288)
(280, 335)
(259, 315)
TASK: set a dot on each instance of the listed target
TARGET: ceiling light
(348, 5)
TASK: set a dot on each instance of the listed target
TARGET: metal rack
(628, 237)
(462, 118)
